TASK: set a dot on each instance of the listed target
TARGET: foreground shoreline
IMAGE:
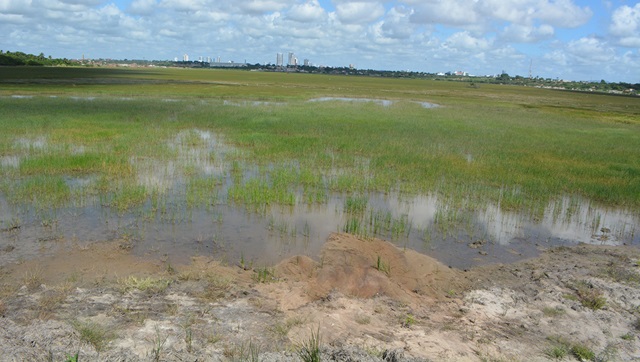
(366, 299)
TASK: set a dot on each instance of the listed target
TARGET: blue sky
(566, 39)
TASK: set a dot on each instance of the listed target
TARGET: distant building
(291, 58)
(185, 57)
(279, 59)
(227, 65)
(306, 62)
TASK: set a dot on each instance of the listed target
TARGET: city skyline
(571, 39)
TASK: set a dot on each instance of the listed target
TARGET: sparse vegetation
(309, 350)
(244, 352)
(557, 352)
(382, 266)
(622, 274)
(588, 295)
(363, 319)
(582, 352)
(94, 334)
(408, 320)
(148, 285)
(553, 311)
(264, 275)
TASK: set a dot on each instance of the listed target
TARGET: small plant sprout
(382, 266)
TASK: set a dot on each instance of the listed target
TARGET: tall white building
(279, 59)
(185, 57)
(291, 58)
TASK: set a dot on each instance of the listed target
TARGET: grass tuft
(309, 350)
(94, 334)
(148, 285)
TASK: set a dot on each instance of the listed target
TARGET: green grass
(516, 147)
(588, 295)
(309, 350)
(148, 285)
(94, 334)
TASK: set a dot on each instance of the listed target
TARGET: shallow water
(232, 231)
(382, 102)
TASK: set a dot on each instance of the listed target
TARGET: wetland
(253, 169)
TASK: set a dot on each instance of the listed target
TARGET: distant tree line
(8, 58)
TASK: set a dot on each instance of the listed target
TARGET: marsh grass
(588, 295)
(382, 266)
(622, 274)
(147, 285)
(309, 349)
(264, 275)
(94, 334)
(519, 148)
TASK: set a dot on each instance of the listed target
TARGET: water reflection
(264, 235)
(382, 102)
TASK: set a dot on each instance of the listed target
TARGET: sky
(563, 39)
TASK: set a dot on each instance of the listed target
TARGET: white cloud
(429, 35)
(15, 6)
(183, 5)
(590, 51)
(454, 12)
(482, 13)
(142, 7)
(262, 6)
(562, 13)
(625, 25)
(464, 41)
(310, 11)
(359, 12)
(397, 25)
(527, 34)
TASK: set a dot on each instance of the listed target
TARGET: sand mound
(368, 268)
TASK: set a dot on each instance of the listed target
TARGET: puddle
(39, 143)
(382, 102)
(9, 161)
(252, 103)
(428, 105)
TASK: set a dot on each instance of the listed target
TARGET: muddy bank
(366, 299)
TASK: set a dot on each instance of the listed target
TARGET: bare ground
(367, 300)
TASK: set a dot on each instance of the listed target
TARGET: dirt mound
(367, 268)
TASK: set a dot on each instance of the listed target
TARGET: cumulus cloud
(429, 35)
(263, 6)
(310, 11)
(590, 50)
(466, 42)
(482, 13)
(625, 25)
(455, 12)
(359, 12)
(527, 34)
(15, 7)
(142, 7)
(396, 26)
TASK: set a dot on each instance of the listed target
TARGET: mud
(367, 299)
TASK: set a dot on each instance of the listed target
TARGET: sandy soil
(366, 299)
